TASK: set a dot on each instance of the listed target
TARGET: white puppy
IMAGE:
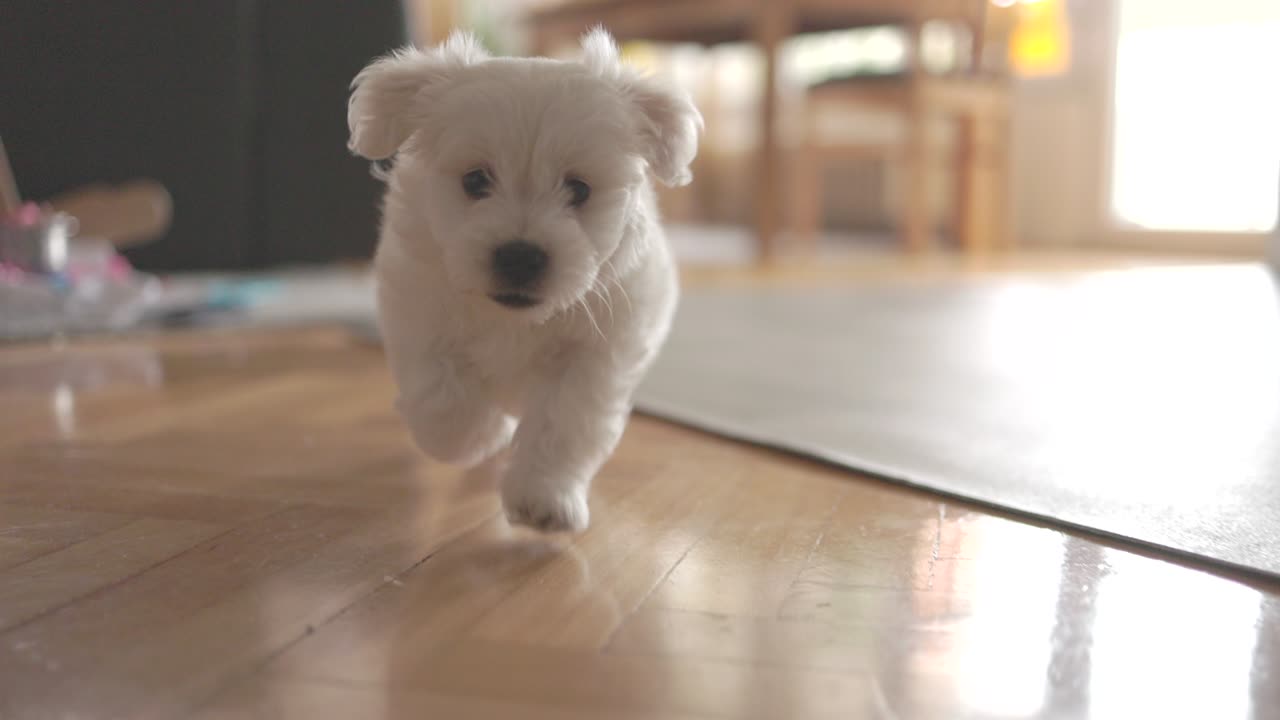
(524, 282)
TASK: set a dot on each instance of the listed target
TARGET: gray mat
(1139, 404)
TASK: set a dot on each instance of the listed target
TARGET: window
(1196, 132)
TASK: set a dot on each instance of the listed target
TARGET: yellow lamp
(640, 54)
(1041, 40)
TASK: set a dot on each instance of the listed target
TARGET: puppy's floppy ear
(669, 122)
(384, 95)
(670, 131)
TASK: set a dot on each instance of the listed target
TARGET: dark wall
(238, 106)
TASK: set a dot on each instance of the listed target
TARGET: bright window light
(1197, 115)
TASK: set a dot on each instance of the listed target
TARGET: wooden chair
(975, 99)
(765, 23)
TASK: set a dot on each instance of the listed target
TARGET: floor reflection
(1072, 635)
(82, 371)
(63, 403)
(1058, 626)
(1171, 642)
(1015, 580)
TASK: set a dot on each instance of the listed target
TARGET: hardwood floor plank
(58, 578)
(607, 683)
(75, 486)
(235, 600)
(746, 562)
(758, 640)
(244, 401)
(305, 700)
(29, 532)
(426, 610)
(645, 526)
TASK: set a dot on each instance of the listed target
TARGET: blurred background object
(1071, 139)
(237, 108)
(127, 214)
(9, 197)
(834, 127)
(964, 88)
(1041, 40)
(911, 82)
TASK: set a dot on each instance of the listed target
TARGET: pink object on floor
(27, 215)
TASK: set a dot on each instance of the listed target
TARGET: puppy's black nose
(519, 264)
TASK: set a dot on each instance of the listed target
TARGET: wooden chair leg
(772, 25)
(982, 185)
(914, 226)
(807, 185)
(807, 191)
(967, 191)
(1003, 189)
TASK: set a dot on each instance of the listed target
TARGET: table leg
(966, 198)
(806, 196)
(772, 25)
(915, 225)
(982, 175)
(1004, 190)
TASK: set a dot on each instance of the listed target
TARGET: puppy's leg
(569, 427)
(451, 418)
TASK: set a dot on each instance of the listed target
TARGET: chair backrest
(989, 27)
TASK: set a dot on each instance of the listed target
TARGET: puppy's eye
(579, 191)
(477, 183)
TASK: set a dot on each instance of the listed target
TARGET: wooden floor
(235, 526)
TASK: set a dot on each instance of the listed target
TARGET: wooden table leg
(1004, 190)
(982, 204)
(915, 224)
(965, 205)
(772, 25)
(806, 196)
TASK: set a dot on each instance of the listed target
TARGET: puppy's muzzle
(518, 269)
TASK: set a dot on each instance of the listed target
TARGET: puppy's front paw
(546, 509)
(458, 437)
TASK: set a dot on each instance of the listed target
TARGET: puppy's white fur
(554, 380)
